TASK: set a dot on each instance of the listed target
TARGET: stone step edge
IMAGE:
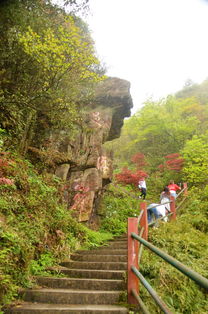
(109, 251)
(59, 269)
(107, 255)
(71, 291)
(45, 306)
(91, 263)
(77, 279)
(102, 248)
(94, 256)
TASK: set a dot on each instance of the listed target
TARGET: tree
(139, 160)
(77, 5)
(160, 129)
(195, 154)
(128, 177)
(173, 162)
(48, 68)
(132, 177)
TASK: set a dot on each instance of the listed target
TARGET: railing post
(144, 220)
(172, 208)
(133, 247)
(186, 189)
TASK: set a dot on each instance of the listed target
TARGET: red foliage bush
(6, 181)
(172, 156)
(139, 160)
(173, 162)
(127, 177)
(5, 165)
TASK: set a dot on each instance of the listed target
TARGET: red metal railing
(136, 241)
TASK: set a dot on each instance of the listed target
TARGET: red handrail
(135, 247)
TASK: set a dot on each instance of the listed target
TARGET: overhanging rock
(87, 167)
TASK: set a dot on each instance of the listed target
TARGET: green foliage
(159, 129)
(197, 208)
(186, 240)
(197, 90)
(2, 135)
(58, 52)
(188, 245)
(119, 205)
(94, 238)
(48, 70)
(36, 229)
(195, 154)
(14, 254)
(38, 267)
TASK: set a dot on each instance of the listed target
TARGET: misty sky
(157, 45)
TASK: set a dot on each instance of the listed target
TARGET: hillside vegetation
(186, 240)
(48, 69)
(48, 72)
(168, 140)
(36, 228)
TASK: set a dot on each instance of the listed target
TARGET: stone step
(104, 251)
(117, 244)
(93, 273)
(120, 246)
(121, 237)
(95, 283)
(76, 283)
(98, 258)
(71, 296)
(43, 308)
(118, 241)
(95, 265)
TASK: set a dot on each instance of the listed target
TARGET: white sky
(155, 44)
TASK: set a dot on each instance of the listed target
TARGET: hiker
(173, 188)
(165, 198)
(155, 211)
(143, 188)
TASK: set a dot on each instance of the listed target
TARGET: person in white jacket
(143, 188)
(165, 198)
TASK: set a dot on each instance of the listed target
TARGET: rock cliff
(87, 167)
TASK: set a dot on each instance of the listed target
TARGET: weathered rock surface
(87, 167)
(114, 93)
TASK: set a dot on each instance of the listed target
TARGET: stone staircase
(93, 282)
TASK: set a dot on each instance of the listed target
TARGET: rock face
(89, 168)
(114, 93)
